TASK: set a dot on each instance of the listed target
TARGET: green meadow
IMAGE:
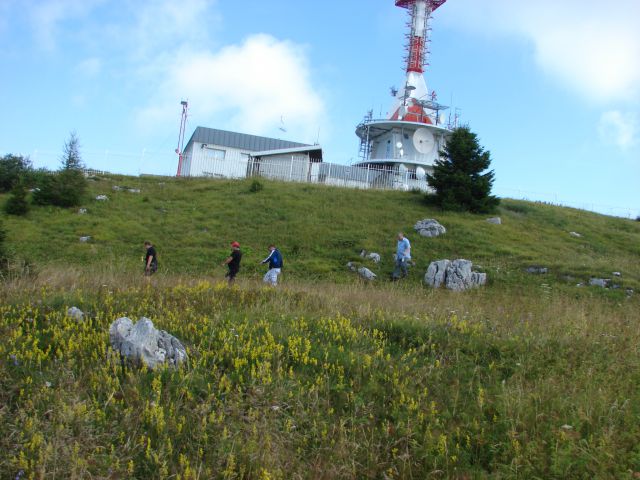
(325, 377)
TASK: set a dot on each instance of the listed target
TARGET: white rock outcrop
(142, 343)
(75, 313)
(429, 228)
(367, 274)
(456, 275)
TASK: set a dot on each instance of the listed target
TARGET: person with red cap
(233, 262)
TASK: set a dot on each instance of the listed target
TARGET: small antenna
(183, 127)
(282, 127)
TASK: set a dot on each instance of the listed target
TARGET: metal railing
(297, 168)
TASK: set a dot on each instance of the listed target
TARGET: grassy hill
(325, 377)
(318, 229)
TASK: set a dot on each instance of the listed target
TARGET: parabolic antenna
(420, 173)
(424, 140)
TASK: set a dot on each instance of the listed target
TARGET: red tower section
(419, 36)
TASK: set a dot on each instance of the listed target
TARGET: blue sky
(552, 88)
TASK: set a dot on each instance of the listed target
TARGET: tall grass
(319, 381)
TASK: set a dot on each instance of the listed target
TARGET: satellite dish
(403, 168)
(399, 145)
(421, 173)
(424, 141)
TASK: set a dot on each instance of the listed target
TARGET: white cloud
(47, 16)
(590, 46)
(166, 24)
(89, 67)
(247, 87)
(619, 129)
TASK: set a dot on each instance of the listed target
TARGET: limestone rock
(142, 343)
(116, 188)
(436, 273)
(82, 211)
(456, 275)
(85, 239)
(374, 257)
(429, 228)
(134, 190)
(617, 274)
(75, 313)
(495, 220)
(102, 198)
(575, 234)
(366, 274)
(537, 270)
(351, 266)
(599, 282)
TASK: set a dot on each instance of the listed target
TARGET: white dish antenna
(424, 141)
(421, 173)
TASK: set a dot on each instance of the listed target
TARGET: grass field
(325, 377)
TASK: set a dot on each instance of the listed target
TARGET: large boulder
(142, 343)
(436, 273)
(456, 275)
(429, 228)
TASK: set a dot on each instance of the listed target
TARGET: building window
(215, 153)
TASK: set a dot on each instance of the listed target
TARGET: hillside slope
(318, 230)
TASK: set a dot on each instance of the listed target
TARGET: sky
(552, 89)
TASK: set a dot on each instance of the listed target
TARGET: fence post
(291, 169)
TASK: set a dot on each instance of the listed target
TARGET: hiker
(150, 259)
(403, 257)
(233, 262)
(275, 266)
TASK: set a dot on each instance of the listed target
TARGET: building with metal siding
(219, 153)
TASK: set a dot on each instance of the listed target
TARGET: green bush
(458, 178)
(12, 169)
(3, 251)
(65, 188)
(256, 186)
(17, 203)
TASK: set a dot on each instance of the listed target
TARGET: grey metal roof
(253, 143)
(306, 148)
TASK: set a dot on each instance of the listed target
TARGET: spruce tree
(17, 203)
(67, 187)
(458, 178)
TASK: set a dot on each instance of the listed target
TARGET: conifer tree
(461, 178)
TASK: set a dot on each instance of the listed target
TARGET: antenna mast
(183, 126)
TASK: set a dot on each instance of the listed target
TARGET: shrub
(256, 186)
(3, 251)
(17, 203)
(12, 169)
(66, 187)
(458, 178)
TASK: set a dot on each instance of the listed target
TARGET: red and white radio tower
(183, 126)
(415, 87)
(406, 144)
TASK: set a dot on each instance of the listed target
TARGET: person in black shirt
(150, 259)
(233, 262)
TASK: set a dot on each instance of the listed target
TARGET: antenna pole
(183, 126)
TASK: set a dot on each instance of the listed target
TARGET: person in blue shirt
(403, 257)
(275, 266)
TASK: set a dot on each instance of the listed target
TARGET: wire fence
(299, 168)
(295, 169)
